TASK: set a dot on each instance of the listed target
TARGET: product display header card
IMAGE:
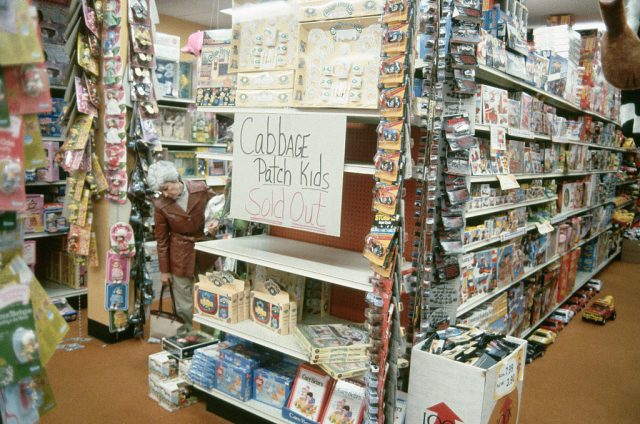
(288, 170)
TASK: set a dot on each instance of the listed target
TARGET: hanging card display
(339, 64)
(27, 89)
(12, 166)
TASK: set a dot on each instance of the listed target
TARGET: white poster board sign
(288, 170)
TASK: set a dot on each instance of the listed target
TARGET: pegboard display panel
(347, 303)
(361, 143)
(356, 217)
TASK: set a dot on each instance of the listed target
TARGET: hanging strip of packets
(143, 137)
(115, 114)
(383, 244)
(142, 63)
(430, 47)
(455, 139)
(86, 179)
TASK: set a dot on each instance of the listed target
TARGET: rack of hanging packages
(530, 215)
(384, 245)
(143, 143)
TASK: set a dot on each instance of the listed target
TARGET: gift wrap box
(485, 396)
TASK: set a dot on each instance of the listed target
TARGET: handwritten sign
(288, 170)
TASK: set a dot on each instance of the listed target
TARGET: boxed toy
(176, 394)
(289, 282)
(273, 385)
(154, 387)
(50, 173)
(234, 380)
(494, 105)
(33, 214)
(173, 124)
(309, 395)
(222, 296)
(183, 346)
(29, 252)
(345, 404)
(246, 356)
(163, 364)
(50, 123)
(54, 219)
(272, 308)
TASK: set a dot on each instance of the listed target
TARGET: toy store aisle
(591, 374)
(108, 384)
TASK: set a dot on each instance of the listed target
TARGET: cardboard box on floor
(449, 391)
(631, 251)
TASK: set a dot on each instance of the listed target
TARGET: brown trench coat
(177, 231)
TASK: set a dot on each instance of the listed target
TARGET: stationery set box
(221, 296)
(345, 404)
(183, 346)
(309, 395)
(272, 308)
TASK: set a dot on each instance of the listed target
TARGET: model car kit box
(487, 396)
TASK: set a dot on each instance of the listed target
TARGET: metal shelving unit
(32, 236)
(337, 266)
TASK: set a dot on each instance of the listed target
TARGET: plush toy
(621, 45)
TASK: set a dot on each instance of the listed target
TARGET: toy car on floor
(579, 301)
(600, 311)
(596, 284)
(546, 337)
(568, 312)
(590, 292)
(564, 316)
(554, 325)
(570, 306)
(534, 351)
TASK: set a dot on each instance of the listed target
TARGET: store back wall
(174, 26)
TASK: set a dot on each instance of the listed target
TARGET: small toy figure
(116, 300)
(32, 82)
(25, 345)
(11, 175)
(117, 273)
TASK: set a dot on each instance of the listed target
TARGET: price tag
(545, 227)
(508, 182)
(517, 132)
(513, 234)
(507, 377)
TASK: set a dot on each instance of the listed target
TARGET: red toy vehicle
(579, 300)
(552, 324)
(601, 310)
(571, 307)
(587, 291)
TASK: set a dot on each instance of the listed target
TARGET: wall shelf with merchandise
(521, 262)
(44, 223)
